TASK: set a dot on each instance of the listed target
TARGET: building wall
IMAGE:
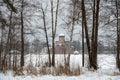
(61, 39)
(62, 47)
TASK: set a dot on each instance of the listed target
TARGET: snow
(106, 69)
(61, 34)
(85, 76)
(76, 52)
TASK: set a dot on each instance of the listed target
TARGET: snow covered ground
(106, 62)
(85, 76)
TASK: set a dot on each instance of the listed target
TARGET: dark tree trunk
(9, 39)
(118, 38)
(86, 30)
(46, 35)
(96, 35)
(1, 48)
(22, 36)
(93, 35)
(53, 30)
(82, 43)
(94, 39)
(53, 53)
(53, 46)
(92, 50)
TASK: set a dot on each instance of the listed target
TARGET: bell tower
(61, 39)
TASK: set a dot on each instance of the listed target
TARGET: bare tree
(46, 34)
(22, 35)
(82, 42)
(54, 26)
(74, 3)
(84, 24)
(9, 40)
(94, 38)
(70, 21)
(1, 44)
(10, 5)
(92, 50)
(118, 34)
(6, 60)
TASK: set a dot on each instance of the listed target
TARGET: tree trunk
(54, 30)
(1, 48)
(86, 30)
(118, 38)
(72, 30)
(53, 46)
(46, 35)
(93, 35)
(94, 39)
(22, 36)
(82, 43)
(9, 39)
(96, 35)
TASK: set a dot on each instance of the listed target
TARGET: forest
(52, 38)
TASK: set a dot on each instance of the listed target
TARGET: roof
(76, 52)
(61, 34)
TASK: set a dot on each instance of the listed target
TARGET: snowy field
(107, 69)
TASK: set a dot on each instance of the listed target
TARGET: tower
(61, 39)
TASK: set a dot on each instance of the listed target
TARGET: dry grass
(44, 69)
(77, 71)
(18, 71)
(31, 70)
(59, 70)
(116, 74)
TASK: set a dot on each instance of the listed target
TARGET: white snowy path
(106, 70)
